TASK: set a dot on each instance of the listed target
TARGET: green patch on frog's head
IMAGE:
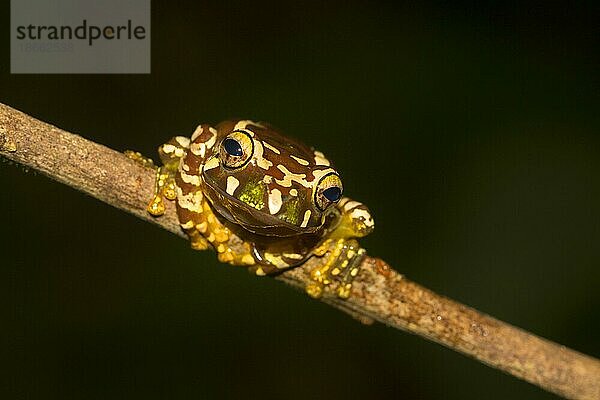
(253, 194)
(291, 213)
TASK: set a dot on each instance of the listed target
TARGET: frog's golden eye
(236, 149)
(328, 191)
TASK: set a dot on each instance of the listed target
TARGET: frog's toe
(314, 290)
(156, 206)
(344, 290)
(199, 245)
(139, 158)
(225, 257)
(228, 255)
(170, 189)
(197, 241)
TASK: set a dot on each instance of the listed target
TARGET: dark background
(470, 130)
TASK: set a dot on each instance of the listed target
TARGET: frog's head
(268, 183)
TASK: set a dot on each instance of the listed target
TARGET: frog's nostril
(232, 147)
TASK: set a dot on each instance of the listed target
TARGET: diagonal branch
(379, 293)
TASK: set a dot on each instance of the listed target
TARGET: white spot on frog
(199, 130)
(192, 179)
(290, 177)
(188, 225)
(304, 223)
(300, 161)
(241, 126)
(211, 163)
(168, 148)
(198, 149)
(261, 161)
(349, 205)
(183, 141)
(366, 216)
(232, 184)
(320, 159)
(191, 201)
(275, 201)
(272, 148)
(213, 138)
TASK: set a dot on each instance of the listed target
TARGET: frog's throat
(255, 221)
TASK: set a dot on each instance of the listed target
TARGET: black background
(471, 131)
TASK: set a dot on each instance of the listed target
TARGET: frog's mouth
(249, 218)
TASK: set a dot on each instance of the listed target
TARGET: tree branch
(379, 293)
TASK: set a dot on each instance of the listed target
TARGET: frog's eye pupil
(233, 147)
(328, 191)
(333, 193)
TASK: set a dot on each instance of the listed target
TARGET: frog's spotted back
(245, 181)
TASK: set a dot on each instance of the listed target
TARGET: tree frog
(281, 201)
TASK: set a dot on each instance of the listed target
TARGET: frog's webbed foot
(164, 183)
(341, 264)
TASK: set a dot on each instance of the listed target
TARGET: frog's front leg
(341, 263)
(341, 252)
(195, 213)
(170, 154)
